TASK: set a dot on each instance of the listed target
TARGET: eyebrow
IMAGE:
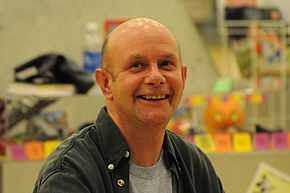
(137, 57)
(169, 56)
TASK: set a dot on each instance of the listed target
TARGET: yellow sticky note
(242, 142)
(197, 100)
(256, 98)
(204, 142)
(237, 97)
(50, 146)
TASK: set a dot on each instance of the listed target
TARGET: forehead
(143, 24)
(141, 30)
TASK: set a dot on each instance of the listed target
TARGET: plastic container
(92, 49)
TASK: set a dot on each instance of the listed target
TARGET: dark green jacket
(96, 160)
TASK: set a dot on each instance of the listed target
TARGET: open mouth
(154, 97)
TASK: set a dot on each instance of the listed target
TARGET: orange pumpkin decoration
(220, 115)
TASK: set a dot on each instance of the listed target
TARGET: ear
(104, 79)
(184, 73)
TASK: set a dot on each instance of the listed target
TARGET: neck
(146, 148)
(145, 140)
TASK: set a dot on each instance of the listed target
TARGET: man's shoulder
(74, 166)
(75, 151)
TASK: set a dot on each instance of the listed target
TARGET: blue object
(92, 61)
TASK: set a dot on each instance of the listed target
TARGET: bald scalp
(130, 26)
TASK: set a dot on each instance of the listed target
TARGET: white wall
(32, 27)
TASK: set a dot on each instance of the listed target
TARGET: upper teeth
(154, 97)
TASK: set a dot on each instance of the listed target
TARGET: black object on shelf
(252, 13)
(247, 14)
(54, 68)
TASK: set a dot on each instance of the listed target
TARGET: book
(269, 180)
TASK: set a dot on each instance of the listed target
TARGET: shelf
(41, 90)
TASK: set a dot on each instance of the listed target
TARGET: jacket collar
(170, 152)
(114, 146)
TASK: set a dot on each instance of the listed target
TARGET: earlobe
(104, 82)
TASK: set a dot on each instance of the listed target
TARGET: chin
(154, 118)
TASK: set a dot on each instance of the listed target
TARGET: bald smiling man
(128, 149)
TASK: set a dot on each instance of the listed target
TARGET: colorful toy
(221, 115)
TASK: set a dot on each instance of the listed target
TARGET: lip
(154, 98)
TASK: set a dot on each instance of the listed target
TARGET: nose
(154, 76)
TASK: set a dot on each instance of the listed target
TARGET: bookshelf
(260, 48)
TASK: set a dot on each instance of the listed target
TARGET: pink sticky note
(288, 139)
(189, 138)
(280, 140)
(262, 141)
(17, 152)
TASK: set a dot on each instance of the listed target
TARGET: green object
(223, 85)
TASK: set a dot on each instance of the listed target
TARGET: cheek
(126, 86)
(176, 83)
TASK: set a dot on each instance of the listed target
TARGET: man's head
(104, 62)
(142, 77)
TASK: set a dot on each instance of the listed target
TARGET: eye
(166, 64)
(137, 66)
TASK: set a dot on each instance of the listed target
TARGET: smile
(154, 97)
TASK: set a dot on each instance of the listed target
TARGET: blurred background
(235, 105)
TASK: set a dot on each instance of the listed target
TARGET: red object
(241, 3)
(2, 148)
(110, 24)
